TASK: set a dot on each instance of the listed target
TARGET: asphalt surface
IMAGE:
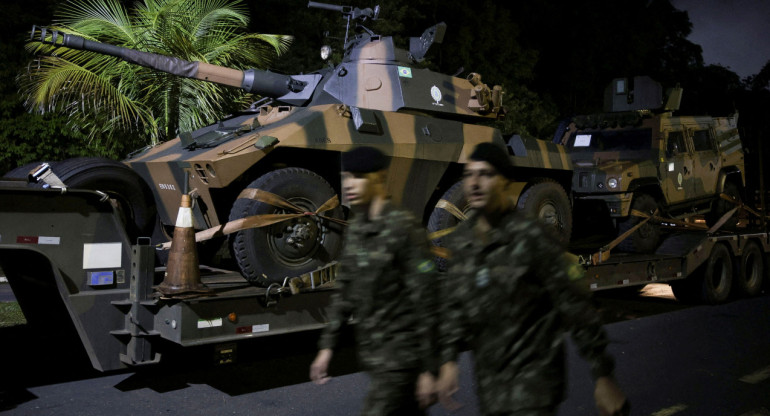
(672, 359)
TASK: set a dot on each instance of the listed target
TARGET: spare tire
(290, 248)
(133, 198)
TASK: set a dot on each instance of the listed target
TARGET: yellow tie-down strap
(262, 220)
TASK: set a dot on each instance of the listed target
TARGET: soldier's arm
(559, 272)
(421, 281)
(340, 306)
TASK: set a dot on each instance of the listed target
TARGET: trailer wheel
(685, 291)
(547, 202)
(442, 219)
(751, 271)
(717, 277)
(269, 254)
(647, 237)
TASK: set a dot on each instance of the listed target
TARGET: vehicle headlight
(612, 183)
(326, 52)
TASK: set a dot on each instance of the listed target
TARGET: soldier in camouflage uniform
(387, 282)
(508, 295)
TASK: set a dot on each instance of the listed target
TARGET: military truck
(638, 155)
(289, 146)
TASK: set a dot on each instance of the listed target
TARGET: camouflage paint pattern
(387, 282)
(686, 159)
(427, 122)
(512, 305)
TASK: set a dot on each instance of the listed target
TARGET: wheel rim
(549, 215)
(294, 242)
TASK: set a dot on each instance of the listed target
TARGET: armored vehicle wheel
(548, 202)
(720, 207)
(647, 237)
(751, 271)
(717, 278)
(269, 254)
(442, 219)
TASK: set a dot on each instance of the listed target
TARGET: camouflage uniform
(387, 282)
(510, 299)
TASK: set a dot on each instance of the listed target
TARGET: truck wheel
(547, 202)
(647, 237)
(287, 249)
(132, 197)
(22, 171)
(717, 277)
(441, 219)
(752, 270)
(685, 291)
(720, 207)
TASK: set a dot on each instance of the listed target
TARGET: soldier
(508, 294)
(387, 281)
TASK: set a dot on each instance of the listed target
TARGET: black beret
(495, 156)
(363, 159)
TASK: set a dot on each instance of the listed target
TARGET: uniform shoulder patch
(426, 266)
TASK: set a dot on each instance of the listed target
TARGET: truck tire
(720, 207)
(441, 219)
(751, 273)
(133, 198)
(717, 277)
(267, 255)
(647, 238)
(548, 202)
(22, 171)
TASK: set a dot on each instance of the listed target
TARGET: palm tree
(109, 98)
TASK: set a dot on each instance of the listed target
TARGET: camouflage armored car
(272, 171)
(638, 155)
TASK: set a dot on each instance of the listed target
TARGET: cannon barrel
(264, 83)
(333, 7)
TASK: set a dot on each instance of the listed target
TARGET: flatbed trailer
(68, 261)
(702, 266)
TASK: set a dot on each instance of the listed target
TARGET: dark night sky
(732, 33)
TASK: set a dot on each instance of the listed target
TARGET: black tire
(720, 207)
(751, 274)
(133, 197)
(717, 277)
(441, 219)
(547, 202)
(22, 171)
(264, 255)
(685, 290)
(647, 238)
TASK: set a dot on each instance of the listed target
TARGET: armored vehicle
(638, 155)
(271, 172)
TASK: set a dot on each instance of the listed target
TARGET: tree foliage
(109, 98)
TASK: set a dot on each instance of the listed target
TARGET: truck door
(706, 162)
(678, 167)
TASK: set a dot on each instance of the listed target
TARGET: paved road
(678, 361)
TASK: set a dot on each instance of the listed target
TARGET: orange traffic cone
(182, 269)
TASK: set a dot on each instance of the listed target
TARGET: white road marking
(670, 411)
(757, 376)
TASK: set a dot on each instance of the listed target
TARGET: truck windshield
(611, 140)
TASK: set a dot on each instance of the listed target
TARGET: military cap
(495, 156)
(363, 159)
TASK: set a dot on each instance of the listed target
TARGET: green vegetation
(10, 314)
(106, 97)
